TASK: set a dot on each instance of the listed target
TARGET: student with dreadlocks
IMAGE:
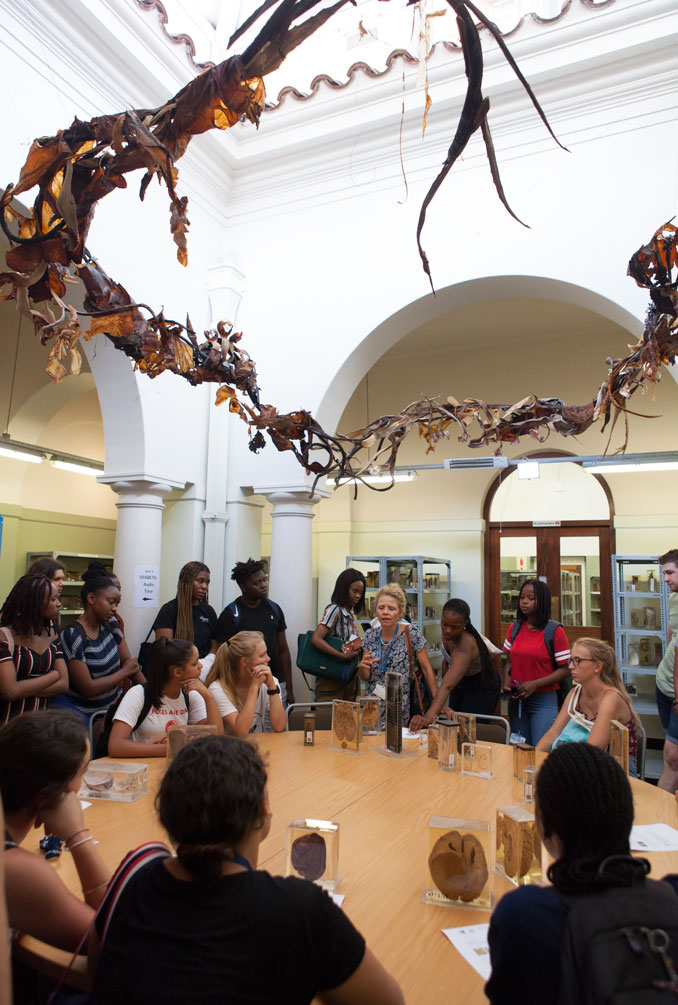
(584, 814)
(32, 665)
(189, 616)
(536, 664)
(254, 612)
(469, 678)
(98, 658)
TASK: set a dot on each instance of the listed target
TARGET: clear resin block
(619, 744)
(458, 862)
(518, 846)
(476, 760)
(309, 729)
(523, 755)
(433, 740)
(120, 781)
(448, 756)
(179, 736)
(312, 852)
(467, 728)
(529, 778)
(346, 726)
(370, 714)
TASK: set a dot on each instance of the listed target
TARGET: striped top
(27, 665)
(101, 657)
(340, 622)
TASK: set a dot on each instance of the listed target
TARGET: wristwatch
(276, 690)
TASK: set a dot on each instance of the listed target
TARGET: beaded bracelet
(78, 843)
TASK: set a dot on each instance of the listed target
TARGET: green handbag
(318, 664)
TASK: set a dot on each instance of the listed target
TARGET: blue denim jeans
(537, 715)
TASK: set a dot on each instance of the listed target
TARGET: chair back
(296, 712)
(492, 729)
(642, 749)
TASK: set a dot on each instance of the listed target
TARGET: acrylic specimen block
(312, 852)
(467, 728)
(518, 846)
(179, 736)
(346, 726)
(447, 745)
(523, 755)
(619, 744)
(458, 862)
(309, 729)
(394, 712)
(433, 740)
(529, 778)
(119, 781)
(370, 714)
(476, 760)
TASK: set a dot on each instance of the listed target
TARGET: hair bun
(95, 570)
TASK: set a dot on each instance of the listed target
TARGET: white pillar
(292, 567)
(138, 541)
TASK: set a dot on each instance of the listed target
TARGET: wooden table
(382, 806)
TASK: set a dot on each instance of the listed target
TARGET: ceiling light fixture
(15, 454)
(75, 468)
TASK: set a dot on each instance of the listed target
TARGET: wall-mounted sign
(146, 585)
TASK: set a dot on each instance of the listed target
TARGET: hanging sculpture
(87, 161)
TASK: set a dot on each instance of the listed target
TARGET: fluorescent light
(379, 478)
(528, 469)
(20, 455)
(617, 468)
(76, 469)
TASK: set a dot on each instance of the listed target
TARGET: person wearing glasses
(598, 697)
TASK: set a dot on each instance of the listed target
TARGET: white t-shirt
(172, 712)
(227, 707)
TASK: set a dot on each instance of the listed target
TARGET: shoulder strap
(549, 641)
(145, 708)
(234, 609)
(410, 654)
(515, 628)
(274, 607)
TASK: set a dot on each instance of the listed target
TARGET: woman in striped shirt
(98, 657)
(32, 666)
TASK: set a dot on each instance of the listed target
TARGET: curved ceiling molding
(148, 6)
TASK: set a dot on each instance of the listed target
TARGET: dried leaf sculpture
(80, 165)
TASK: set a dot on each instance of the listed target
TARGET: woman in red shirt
(534, 683)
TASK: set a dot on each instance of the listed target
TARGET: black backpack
(619, 946)
(101, 745)
(549, 642)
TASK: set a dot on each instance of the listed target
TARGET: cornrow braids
(187, 577)
(24, 609)
(242, 571)
(584, 798)
(543, 597)
(210, 798)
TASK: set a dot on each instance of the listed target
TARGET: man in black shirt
(254, 612)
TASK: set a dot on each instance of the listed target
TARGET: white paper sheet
(654, 837)
(471, 942)
(338, 898)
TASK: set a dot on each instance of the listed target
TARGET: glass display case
(427, 583)
(75, 564)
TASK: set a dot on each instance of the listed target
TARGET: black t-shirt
(246, 938)
(266, 618)
(204, 623)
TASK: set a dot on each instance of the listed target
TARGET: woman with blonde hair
(243, 686)
(387, 648)
(598, 697)
(189, 616)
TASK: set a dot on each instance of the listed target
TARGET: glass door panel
(517, 562)
(580, 591)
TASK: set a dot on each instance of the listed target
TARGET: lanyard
(383, 664)
(241, 860)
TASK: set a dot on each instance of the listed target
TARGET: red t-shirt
(530, 658)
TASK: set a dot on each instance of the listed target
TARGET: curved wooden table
(383, 806)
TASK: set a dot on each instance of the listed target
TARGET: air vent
(471, 463)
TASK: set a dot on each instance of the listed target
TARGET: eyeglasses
(574, 661)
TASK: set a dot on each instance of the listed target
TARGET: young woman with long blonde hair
(243, 686)
(598, 697)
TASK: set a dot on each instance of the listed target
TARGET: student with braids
(189, 616)
(584, 814)
(98, 658)
(469, 678)
(536, 665)
(32, 665)
(55, 572)
(216, 928)
(177, 698)
(598, 697)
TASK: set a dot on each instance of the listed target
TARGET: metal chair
(323, 714)
(95, 728)
(492, 729)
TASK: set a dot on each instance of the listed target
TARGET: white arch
(418, 312)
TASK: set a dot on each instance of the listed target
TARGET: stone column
(292, 567)
(138, 541)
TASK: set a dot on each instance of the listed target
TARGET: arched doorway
(558, 528)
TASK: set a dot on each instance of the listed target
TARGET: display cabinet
(427, 583)
(75, 564)
(641, 618)
(510, 583)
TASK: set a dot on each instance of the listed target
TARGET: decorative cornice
(182, 39)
